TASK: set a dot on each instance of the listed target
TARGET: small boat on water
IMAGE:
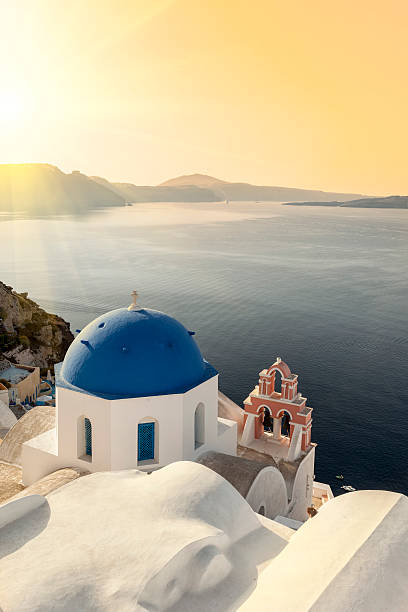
(348, 488)
(340, 477)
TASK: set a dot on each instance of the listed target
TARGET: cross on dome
(134, 305)
(153, 342)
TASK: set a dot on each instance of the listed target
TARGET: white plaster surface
(183, 539)
(352, 556)
(302, 488)
(288, 522)
(281, 530)
(70, 407)
(248, 434)
(115, 430)
(39, 457)
(4, 395)
(19, 508)
(179, 539)
(295, 447)
(47, 441)
(227, 409)
(7, 417)
(298, 475)
(268, 490)
(226, 437)
(267, 444)
(30, 425)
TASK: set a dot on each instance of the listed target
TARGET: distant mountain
(389, 202)
(202, 180)
(247, 192)
(42, 188)
(162, 193)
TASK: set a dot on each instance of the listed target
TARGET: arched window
(278, 381)
(147, 441)
(199, 425)
(84, 434)
(267, 420)
(285, 424)
(88, 437)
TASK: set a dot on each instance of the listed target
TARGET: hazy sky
(285, 92)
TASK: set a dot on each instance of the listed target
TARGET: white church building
(132, 392)
(223, 526)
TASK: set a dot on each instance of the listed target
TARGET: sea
(325, 289)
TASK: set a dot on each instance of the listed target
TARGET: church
(134, 391)
(163, 494)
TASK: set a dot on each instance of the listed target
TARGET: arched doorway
(267, 420)
(285, 423)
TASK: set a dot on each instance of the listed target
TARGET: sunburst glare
(11, 105)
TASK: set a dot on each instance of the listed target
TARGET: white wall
(248, 435)
(70, 406)
(320, 489)
(125, 416)
(38, 462)
(268, 490)
(227, 436)
(4, 396)
(7, 416)
(207, 393)
(302, 488)
(115, 430)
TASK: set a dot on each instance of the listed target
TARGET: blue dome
(134, 353)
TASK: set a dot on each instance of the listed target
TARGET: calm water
(325, 289)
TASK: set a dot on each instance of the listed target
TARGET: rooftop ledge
(209, 372)
(46, 442)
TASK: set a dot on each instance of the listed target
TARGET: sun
(11, 105)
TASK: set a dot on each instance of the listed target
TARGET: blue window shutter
(145, 441)
(88, 437)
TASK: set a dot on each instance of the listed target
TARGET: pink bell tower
(285, 410)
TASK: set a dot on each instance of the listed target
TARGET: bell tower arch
(292, 419)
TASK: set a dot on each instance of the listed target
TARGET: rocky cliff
(28, 334)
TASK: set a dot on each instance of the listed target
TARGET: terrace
(14, 374)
